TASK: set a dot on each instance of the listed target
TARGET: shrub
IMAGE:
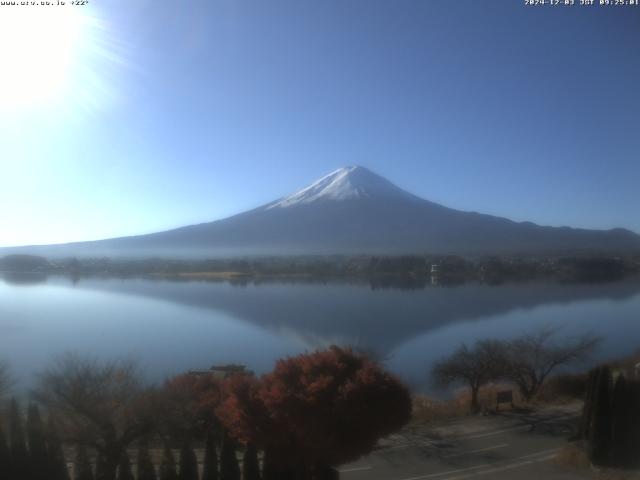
(318, 409)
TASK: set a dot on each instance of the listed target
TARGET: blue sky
(188, 112)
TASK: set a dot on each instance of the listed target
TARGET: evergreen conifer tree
(600, 429)
(38, 458)
(55, 453)
(168, 465)
(146, 470)
(621, 413)
(188, 463)
(634, 421)
(229, 468)
(101, 468)
(250, 465)
(82, 470)
(587, 409)
(326, 473)
(124, 468)
(210, 467)
(269, 470)
(4, 455)
(19, 463)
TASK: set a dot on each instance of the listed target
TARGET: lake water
(175, 326)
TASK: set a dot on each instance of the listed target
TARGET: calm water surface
(175, 326)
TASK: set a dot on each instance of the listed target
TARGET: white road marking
(501, 469)
(398, 447)
(511, 429)
(459, 454)
(494, 432)
(484, 465)
(439, 474)
(354, 469)
(426, 443)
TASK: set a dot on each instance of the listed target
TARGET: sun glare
(38, 48)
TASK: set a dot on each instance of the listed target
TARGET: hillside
(354, 210)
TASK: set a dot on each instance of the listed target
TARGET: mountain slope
(353, 210)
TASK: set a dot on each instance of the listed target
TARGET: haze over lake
(175, 326)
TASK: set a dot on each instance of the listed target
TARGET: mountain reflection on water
(176, 325)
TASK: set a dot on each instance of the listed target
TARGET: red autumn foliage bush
(190, 403)
(242, 411)
(323, 408)
(313, 411)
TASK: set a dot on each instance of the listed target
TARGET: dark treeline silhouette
(312, 413)
(447, 268)
(30, 450)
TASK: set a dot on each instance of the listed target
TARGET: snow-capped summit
(346, 183)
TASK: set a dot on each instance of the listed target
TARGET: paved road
(500, 446)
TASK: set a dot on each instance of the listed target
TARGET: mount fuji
(353, 210)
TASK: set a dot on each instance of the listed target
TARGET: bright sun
(39, 46)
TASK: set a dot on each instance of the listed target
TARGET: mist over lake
(173, 326)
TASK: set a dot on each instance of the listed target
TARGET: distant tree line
(312, 413)
(382, 269)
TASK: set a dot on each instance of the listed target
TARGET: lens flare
(51, 55)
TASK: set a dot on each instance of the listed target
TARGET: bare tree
(531, 358)
(473, 366)
(100, 405)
